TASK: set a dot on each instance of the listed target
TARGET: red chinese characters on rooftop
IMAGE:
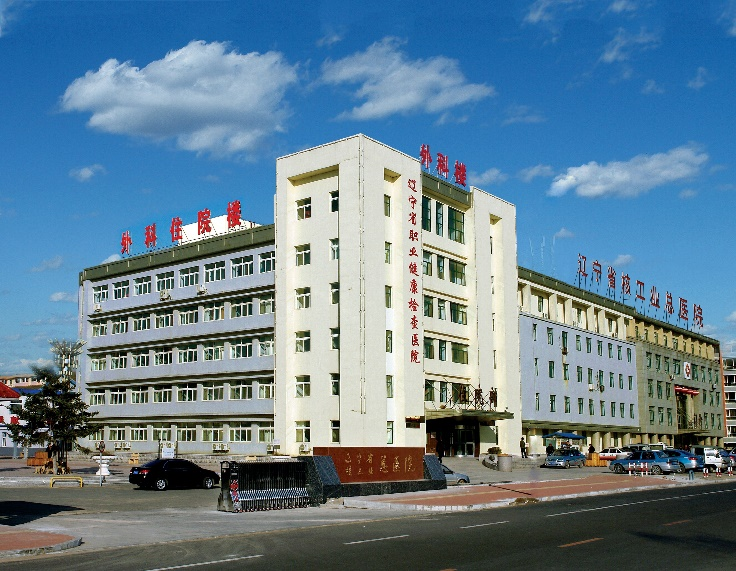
(459, 174)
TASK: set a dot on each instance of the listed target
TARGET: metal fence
(260, 486)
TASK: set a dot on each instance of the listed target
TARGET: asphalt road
(692, 528)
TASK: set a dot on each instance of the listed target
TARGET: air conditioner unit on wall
(98, 307)
(201, 290)
(165, 295)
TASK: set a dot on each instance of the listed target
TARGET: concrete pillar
(606, 440)
(627, 438)
(645, 438)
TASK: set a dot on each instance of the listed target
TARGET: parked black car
(172, 473)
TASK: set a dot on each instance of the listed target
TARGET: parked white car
(612, 454)
(711, 457)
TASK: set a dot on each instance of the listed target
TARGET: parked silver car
(453, 477)
(656, 461)
(564, 458)
(686, 460)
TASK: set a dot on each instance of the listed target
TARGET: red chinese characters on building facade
(233, 214)
(150, 239)
(126, 242)
(175, 229)
(654, 297)
(581, 266)
(459, 174)
(597, 271)
(442, 167)
(204, 222)
(683, 309)
(611, 278)
(668, 303)
(412, 267)
(426, 156)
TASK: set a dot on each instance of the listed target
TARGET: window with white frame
(163, 356)
(389, 297)
(389, 386)
(456, 225)
(389, 341)
(265, 432)
(428, 306)
(303, 254)
(188, 354)
(427, 263)
(214, 311)
(241, 348)
(99, 329)
(139, 395)
(439, 225)
(161, 432)
(335, 201)
(267, 262)
(390, 432)
(117, 396)
(386, 205)
(188, 315)
(186, 432)
(303, 208)
(98, 363)
(213, 391)
(116, 433)
(458, 313)
(335, 293)
(266, 304)
(120, 325)
(99, 293)
(142, 285)
(441, 267)
(335, 384)
(335, 430)
(265, 346)
(118, 360)
(241, 308)
(265, 391)
(441, 309)
(240, 432)
(214, 351)
(303, 297)
(460, 353)
(241, 391)
(162, 394)
(303, 431)
(121, 289)
(164, 319)
(139, 433)
(187, 393)
(334, 337)
(96, 397)
(140, 359)
(241, 266)
(214, 272)
(165, 281)
(189, 276)
(303, 386)
(303, 342)
(334, 249)
(457, 272)
(141, 322)
(387, 252)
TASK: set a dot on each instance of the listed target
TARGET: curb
(74, 542)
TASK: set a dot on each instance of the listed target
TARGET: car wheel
(618, 468)
(680, 468)
(463, 481)
(567, 464)
(161, 484)
(581, 464)
(656, 470)
(208, 483)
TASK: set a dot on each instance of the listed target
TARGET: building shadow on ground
(20, 512)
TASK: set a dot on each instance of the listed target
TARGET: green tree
(56, 415)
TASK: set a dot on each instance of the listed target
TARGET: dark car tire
(208, 483)
(463, 481)
(657, 470)
(618, 469)
(581, 464)
(681, 468)
(160, 484)
(567, 464)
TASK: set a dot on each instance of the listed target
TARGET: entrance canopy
(567, 435)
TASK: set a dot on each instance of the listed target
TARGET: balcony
(468, 401)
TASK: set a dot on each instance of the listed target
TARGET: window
(578, 343)
(427, 263)
(303, 342)
(141, 322)
(658, 362)
(303, 297)
(552, 403)
(303, 255)
(241, 391)
(303, 208)
(188, 315)
(141, 359)
(98, 363)
(389, 386)
(613, 410)
(386, 205)
(581, 405)
(265, 432)
(213, 391)
(428, 348)
(442, 350)
(610, 350)
(120, 326)
(265, 346)
(676, 366)
(441, 309)
(659, 389)
(622, 410)
(456, 225)
(600, 348)
(117, 433)
(96, 397)
(534, 331)
(428, 306)
(186, 432)
(438, 214)
(591, 407)
(390, 432)
(334, 337)
(565, 372)
(551, 369)
(550, 336)
(335, 384)
(540, 304)
(266, 304)
(117, 396)
(335, 201)
(334, 249)
(118, 361)
(611, 383)
(303, 431)
(214, 311)
(240, 432)
(631, 382)
(99, 329)
(567, 405)
(650, 387)
(668, 391)
(265, 391)
(457, 272)
(536, 401)
(564, 339)
(428, 391)
(189, 276)
(187, 393)
(389, 341)
(588, 344)
(536, 366)
(267, 262)
(164, 319)
(603, 408)
(188, 354)
(620, 381)
(335, 430)
(590, 376)
(618, 351)
(165, 281)
(142, 286)
(441, 267)
(387, 252)
(335, 293)
(163, 356)
(99, 294)
(303, 386)
(214, 351)
(426, 214)
(214, 272)
(241, 308)
(121, 289)
(162, 394)
(459, 353)
(458, 313)
(660, 414)
(242, 266)
(631, 411)
(580, 374)
(649, 360)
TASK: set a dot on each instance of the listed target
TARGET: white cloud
(7, 14)
(491, 176)
(620, 48)
(206, 98)
(522, 114)
(622, 260)
(620, 6)
(631, 178)
(391, 83)
(63, 296)
(687, 193)
(651, 87)
(50, 264)
(329, 40)
(40, 362)
(84, 174)
(112, 258)
(701, 78)
(542, 10)
(530, 173)
(563, 233)
(731, 318)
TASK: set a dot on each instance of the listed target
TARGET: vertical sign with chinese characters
(415, 304)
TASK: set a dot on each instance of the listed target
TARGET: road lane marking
(376, 539)
(483, 524)
(581, 542)
(677, 522)
(205, 563)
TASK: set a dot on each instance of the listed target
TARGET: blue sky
(608, 124)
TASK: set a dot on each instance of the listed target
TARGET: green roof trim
(231, 242)
(446, 190)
